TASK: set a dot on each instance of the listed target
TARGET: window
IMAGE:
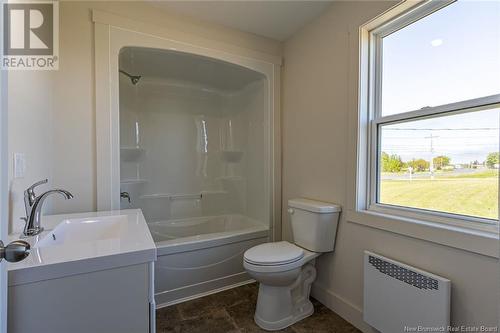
(434, 113)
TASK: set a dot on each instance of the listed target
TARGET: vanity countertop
(57, 252)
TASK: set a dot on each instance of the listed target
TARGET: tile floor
(232, 311)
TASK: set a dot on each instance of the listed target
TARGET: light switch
(19, 165)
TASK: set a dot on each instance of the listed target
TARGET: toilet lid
(278, 253)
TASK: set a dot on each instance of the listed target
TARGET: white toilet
(285, 270)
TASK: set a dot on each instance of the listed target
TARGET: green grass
(474, 194)
(481, 174)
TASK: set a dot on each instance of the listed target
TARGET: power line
(442, 129)
(449, 145)
(445, 137)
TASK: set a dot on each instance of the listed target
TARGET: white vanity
(90, 272)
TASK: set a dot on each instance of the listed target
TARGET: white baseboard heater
(400, 298)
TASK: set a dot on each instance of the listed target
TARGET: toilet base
(307, 310)
(279, 307)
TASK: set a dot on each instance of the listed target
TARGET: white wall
(57, 108)
(30, 131)
(316, 136)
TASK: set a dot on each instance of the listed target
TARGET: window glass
(449, 56)
(448, 163)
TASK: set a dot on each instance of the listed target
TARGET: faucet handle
(29, 194)
(32, 187)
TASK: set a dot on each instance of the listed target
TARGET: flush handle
(15, 251)
(291, 211)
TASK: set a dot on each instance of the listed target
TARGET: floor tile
(214, 322)
(167, 319)
(204, 305)
(232, 311)
(323, 320)
(248, 292)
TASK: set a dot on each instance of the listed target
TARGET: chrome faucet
(33, 205)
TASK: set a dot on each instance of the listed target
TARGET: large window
(434, 110)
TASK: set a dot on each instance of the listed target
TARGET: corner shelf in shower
(131, 153)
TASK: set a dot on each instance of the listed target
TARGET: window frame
(371, 92)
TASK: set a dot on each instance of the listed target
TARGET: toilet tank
(314, 224)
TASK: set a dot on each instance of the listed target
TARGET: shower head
(133, 78)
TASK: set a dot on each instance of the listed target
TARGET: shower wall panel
(202, 151)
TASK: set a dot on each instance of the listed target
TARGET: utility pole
(431, 166)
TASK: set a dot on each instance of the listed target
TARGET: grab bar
(196, 196)
(186, 196)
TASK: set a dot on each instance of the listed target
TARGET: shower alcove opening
(189, 136)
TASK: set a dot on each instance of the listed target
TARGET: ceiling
(273, 19)
(186, 67)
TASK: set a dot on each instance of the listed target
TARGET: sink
(79, 243)
(84, 230)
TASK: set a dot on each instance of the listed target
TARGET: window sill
(481, 242)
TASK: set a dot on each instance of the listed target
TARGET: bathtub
(202, 255)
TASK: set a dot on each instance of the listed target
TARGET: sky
(451, 55)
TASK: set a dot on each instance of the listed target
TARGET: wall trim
(480, 242)
(106, 18)
(342, 307)
(4, 192)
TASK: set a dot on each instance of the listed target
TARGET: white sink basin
(82, 243)
(84, 230)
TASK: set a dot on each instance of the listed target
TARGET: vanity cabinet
(88, 273)
(114, 300)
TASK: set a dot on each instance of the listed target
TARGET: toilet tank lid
(314, 206)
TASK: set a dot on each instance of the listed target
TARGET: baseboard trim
(342, 307)
(161, 303)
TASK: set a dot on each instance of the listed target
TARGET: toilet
(286, 271)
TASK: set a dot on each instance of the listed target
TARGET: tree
(441, 161)
(391, 163)
(492, 159)
(419, 165)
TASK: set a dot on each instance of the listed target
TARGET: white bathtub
(200, 255)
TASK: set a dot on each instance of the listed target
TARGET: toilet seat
(274, 254)
(301, 255)
(272, 269)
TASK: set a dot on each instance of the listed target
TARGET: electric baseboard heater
(401, 298)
